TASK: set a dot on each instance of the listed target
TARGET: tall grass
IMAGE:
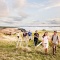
(8, 51)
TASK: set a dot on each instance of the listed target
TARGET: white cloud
(35, 5)
(54, 21)
(52, 6)
(19, 3)
(3, 8)
(15, 10)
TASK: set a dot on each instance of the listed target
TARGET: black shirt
(36, 35)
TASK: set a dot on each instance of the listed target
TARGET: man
(36, 36)
(54, 39)
(30, 35)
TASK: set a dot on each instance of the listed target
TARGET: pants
(54, 48)
(30, 37)
(35, 41)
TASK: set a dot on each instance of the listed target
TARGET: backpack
(53, 37)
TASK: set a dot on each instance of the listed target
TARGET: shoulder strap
(52, 37)
(57, 38)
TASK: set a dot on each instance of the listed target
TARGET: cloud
(52, 6)
(3, 8)
(34, 5)
(19, 3)
(16, 8)
(17, 12)
(54, 21)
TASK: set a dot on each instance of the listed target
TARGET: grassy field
(8, 51)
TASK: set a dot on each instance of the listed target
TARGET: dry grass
(8, 51)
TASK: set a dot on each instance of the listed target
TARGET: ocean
(33, 28)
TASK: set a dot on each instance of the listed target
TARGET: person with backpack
(30, 35)
(45, 41)
(36, 36)
(54, 40)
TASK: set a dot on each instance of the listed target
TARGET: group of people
(23, 37)
(45, 39)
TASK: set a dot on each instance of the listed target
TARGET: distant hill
(10, 30)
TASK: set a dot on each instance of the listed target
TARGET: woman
(45, 42)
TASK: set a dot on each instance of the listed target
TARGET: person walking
(45, 42)
(55, 40)
(36, 36)
(30, 35)
(25, 38)
(19, 39)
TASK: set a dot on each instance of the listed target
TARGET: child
(45, 41)
(54, 40)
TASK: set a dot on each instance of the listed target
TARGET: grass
(9, 52)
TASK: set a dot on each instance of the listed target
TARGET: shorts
(54, 45)
(45, 45)
(30, 37)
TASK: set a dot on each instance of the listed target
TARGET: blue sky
(29, 12)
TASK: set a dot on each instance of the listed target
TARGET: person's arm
(51, 40)
(34, 34)
(38, 35)
(58, 40)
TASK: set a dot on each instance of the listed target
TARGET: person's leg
(34, 41)
(20, 42)
(17, 44)
(27, 41)
(46, 50)
(53, 49)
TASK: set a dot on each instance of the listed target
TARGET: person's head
(55, 32)
(36, 31)
(45, 34)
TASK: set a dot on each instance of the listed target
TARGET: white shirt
(18, 34)
(45, 39)
(55, 39)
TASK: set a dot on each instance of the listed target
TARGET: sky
(29, 12)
